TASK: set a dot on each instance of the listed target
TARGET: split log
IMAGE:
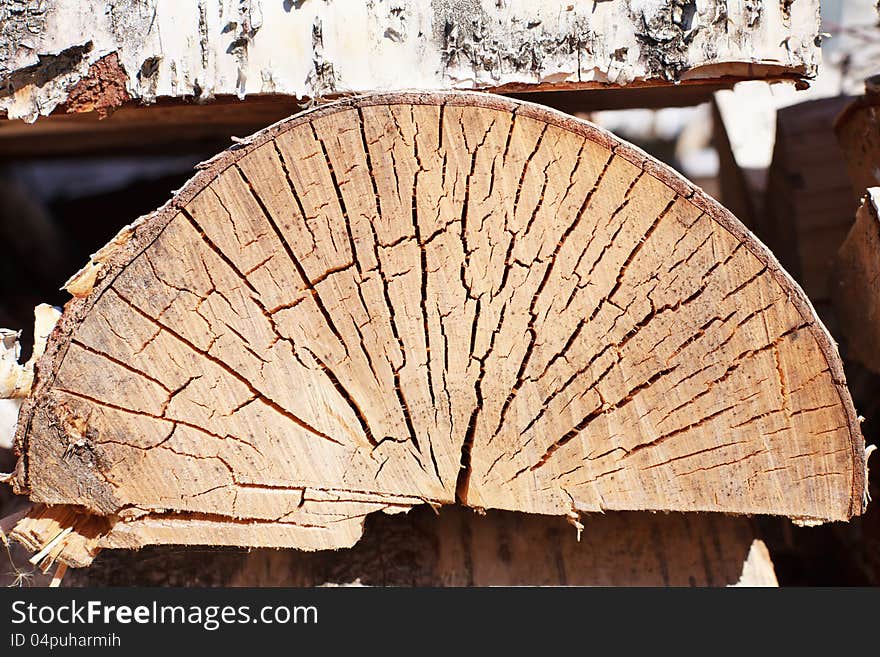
(94, 56)
(457, 547)
(858, 129)
(856, 298)
(429, 298)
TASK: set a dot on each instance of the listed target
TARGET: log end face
(194, 529)
(620, 343)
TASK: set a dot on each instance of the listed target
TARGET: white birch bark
(315, 48)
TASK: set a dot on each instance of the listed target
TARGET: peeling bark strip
(313, 49)
(17, 379)
(421, 297)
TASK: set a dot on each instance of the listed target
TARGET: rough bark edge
(137, 237)
(729, 75)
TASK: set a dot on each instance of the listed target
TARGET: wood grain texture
(431, 298)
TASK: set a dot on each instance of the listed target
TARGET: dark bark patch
(102, 90)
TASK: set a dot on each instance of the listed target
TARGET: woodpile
(457, 547)
(481, 302)
(439, 337)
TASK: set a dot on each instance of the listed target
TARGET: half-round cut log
(434, 298)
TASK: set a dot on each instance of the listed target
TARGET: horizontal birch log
(93, 55)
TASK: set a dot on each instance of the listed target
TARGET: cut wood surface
(432, 298)
(457, 547)
(857, 281)
(94, 55)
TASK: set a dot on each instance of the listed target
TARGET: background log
(808, 205)
(856, 293)
(858, 130)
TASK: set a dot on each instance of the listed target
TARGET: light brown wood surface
(857, 284)
(433, 298)
(460, 548)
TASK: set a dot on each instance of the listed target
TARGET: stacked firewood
(440, 337)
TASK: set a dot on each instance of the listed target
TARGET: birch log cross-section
(431, 298)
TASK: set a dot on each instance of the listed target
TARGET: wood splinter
(429, 298)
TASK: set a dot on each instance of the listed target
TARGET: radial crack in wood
(418, 298)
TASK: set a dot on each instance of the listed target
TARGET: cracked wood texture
(431, 298)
